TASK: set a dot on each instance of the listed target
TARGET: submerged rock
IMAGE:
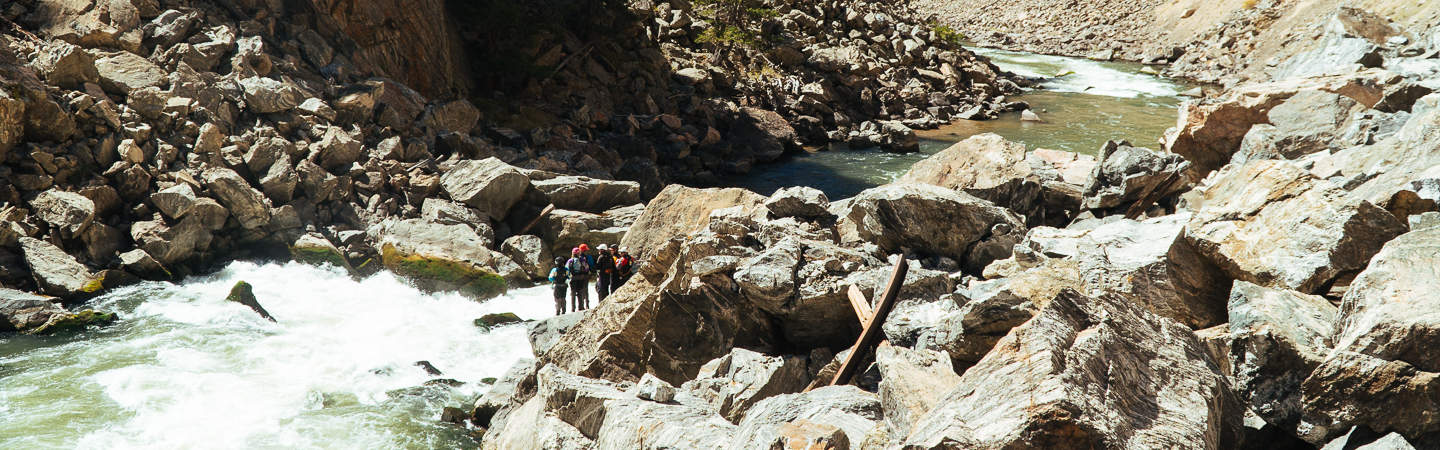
(244, 294)
(489, 321)
(74, 321)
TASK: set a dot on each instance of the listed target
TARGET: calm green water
(1094, 103)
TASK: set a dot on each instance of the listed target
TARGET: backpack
(578, 267)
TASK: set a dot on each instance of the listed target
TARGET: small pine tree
(733, 23)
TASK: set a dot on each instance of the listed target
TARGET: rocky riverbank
(1219, 42)
(1268, 289)
(152, 139)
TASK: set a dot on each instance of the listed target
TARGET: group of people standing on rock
(609, 267)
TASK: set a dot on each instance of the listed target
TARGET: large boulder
(1059, 380)
(1277, 338)
(602, 411)
(57, 273)
(67, 211)
(268, 95)
(1383, 370)
(65, 65)
(22, 311)
(854, 411)
(992, 168)
(1208, 132)
(531, 253)
(650, 324)
(988, 310)
(764, 132)
(801, 202)
(337, 150)
(585, 193)
(1388, 311)
(912, 382)
(247, 204)
(735, 382)
(1308, 122)
(1150, 262)
(1355, 389)
(565, 229)
(1127, 173)
(679, 211)
(1273, 224)
(440, 257)
(930, 220)
(122, 72)
(489, 185)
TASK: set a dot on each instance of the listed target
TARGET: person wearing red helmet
(579, 268)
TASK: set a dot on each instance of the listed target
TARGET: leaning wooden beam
(860, 304)
(871, 334)
(543, 213)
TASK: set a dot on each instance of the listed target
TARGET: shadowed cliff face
(414, 41)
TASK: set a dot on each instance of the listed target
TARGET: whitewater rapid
(1080, 75)
(186, 369)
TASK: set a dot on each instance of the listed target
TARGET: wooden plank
(871, 334)
(860, 304)
(543, 213)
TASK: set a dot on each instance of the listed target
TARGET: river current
(1083, 104)
(183, 368)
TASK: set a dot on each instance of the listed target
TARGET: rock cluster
(1269, 288)
(150, 140)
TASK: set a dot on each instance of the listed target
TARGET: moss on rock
(439, 274)
(74, 321)
(319, 256)
(244, 294)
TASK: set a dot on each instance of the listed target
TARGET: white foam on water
(1081, 75)
(186, 369)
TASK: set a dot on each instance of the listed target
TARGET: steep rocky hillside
(149, 138)
(1221, 41)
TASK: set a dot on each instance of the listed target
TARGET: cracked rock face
(1277, 337)
(931, 220)
(1326, 234)
(1084, 373)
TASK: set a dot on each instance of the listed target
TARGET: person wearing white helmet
(604, 272)
(624, 267)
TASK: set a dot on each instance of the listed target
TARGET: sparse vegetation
(733, 23)
(946, 34)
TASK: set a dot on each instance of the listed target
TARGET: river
(186, 369)
(1093, 103)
